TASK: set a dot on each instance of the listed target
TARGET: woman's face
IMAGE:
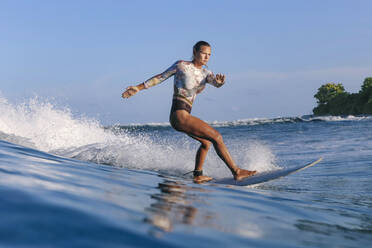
(202, 56)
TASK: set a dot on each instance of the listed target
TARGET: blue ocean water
(66, 181)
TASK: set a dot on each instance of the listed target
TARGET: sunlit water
(68, 182)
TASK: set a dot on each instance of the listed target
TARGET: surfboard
(265, 176)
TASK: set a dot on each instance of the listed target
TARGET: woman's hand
(220, 79)
(130, 91)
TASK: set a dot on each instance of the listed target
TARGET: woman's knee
(206, 144)
(217, 138)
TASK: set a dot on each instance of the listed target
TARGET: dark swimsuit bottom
(180, 105)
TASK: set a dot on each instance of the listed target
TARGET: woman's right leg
(201, 154)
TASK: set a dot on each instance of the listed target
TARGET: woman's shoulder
(181, 65)
(183, 62)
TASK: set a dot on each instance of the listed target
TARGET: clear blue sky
(275, 54)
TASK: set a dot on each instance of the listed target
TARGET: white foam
(341, 118)
(260, 157)
(56, 130)
(49, 127)
(150, 124)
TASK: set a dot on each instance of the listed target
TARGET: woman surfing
(190, 78)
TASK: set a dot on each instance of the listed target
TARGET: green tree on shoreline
(328, 91)
(332, 99)
(366, 95)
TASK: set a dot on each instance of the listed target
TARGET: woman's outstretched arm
(132, 90)
(157, 79)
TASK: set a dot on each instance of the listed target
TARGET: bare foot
(202, 179)
(241, 174)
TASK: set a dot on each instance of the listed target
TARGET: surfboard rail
(265, 176)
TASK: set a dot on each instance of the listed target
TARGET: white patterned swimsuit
(188, 81)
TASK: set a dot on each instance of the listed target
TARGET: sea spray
(53, 129)
(48, 126)
(43, 125)
(259, 157)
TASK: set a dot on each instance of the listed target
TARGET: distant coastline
(332, 99)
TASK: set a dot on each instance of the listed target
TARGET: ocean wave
(262, 121)
(305, 118)
(42, 125)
